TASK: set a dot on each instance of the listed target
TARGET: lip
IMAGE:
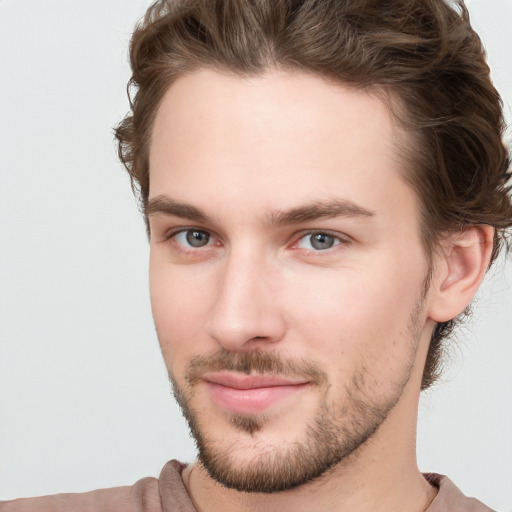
(250, 394)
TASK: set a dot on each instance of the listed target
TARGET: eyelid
(182, 229)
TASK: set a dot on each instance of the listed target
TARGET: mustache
(256, 362)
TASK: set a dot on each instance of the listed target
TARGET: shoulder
(144, 496)
(450, 498)
(147, 495)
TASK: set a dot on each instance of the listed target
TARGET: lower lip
(250, 401)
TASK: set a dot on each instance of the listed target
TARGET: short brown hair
(422, 53)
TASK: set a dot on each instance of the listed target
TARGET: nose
(246, 314)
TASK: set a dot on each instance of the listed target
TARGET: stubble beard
(335, 434)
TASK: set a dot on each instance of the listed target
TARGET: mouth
(251, 394)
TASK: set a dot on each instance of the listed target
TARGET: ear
(459, 270)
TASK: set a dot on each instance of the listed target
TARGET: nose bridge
(245, 309)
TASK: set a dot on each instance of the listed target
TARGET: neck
(335, 492)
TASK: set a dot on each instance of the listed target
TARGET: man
(325, 186)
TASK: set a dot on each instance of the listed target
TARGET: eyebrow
(167, 206)
(305, 213)
(319, 210)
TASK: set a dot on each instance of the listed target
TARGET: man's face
(286, 271)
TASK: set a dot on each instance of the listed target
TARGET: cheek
(355, 314)
(180, 306)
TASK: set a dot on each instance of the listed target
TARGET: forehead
(273, 141)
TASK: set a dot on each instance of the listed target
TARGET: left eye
(318, 241)
(192, 238)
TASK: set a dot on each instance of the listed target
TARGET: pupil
(197, 238)
(322, 241)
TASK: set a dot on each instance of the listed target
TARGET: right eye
(192, 238)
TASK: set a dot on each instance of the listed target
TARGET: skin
(228, 157)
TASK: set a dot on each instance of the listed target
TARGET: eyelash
(172, 235)
(337, 239)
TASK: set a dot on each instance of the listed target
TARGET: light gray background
(84, 400)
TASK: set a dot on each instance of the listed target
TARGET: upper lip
(242, 381)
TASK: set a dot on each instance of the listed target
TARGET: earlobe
(459, 271)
